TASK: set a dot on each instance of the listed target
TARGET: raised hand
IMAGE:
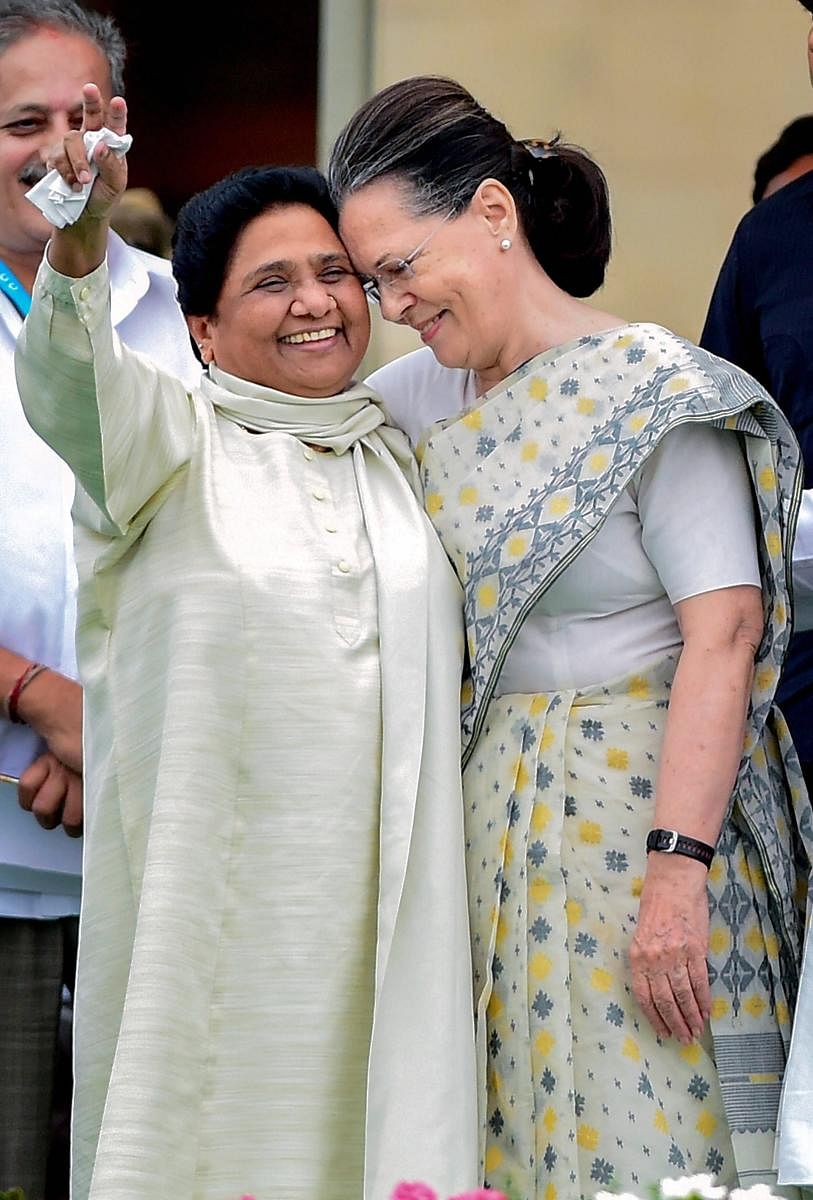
(71, 160)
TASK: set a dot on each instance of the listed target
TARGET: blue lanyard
(10, 286)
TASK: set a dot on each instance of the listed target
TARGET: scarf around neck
(337, 422)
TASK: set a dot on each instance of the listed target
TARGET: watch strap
(669, 841)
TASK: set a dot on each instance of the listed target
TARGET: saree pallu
(517, 487)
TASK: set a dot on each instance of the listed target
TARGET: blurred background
(676, 99)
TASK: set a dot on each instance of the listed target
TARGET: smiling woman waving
(274, 977)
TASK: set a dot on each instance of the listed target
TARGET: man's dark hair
(22, 18)
(794, 141)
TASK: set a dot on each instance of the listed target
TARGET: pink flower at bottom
(413, 1191)
(479, 1194)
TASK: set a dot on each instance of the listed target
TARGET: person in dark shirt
(761, 319)
(787, 159)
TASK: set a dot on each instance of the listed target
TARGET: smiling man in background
(48, 50)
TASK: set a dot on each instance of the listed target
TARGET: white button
(319, 494)
(330, 529)
(308, 453)
(85, 292)
(344, 566)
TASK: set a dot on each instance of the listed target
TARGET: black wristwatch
(669, 841)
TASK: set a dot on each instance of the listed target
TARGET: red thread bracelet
(11, 701)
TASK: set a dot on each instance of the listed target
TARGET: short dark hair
(210, 223)
(795, 140)
(429, 134)
(22, 18)
(808, 4)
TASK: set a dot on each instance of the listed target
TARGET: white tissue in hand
(55, 198)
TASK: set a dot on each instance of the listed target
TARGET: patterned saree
(577, 1091)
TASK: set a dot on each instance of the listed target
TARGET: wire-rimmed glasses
(395, 272)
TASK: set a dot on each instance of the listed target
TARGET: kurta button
(85, 292)
(344, 566)
(330, 528)
(308, 453)
(319, 494)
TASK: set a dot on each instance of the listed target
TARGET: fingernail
(84, 176)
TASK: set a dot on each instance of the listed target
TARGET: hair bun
(571, 228)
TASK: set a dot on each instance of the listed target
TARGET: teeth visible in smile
(428, 324)
(316, 335)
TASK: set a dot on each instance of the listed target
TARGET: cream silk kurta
(274, 947)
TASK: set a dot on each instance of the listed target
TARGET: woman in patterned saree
(619, 506)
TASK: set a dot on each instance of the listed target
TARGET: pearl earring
(505, 244)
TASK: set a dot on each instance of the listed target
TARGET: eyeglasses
(395, 272)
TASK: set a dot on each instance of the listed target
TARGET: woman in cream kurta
(274, 983)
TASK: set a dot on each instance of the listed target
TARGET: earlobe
(494, 203)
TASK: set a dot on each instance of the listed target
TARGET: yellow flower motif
(540, 817)
(638, 687)
(494, 1009)
(540, 966)
(767, 479)
(782, 1012)
(590, 832)
(765, 677)
(493, 1158)
(753, 939)
(521, 776)
(517, 545)
(600, 979)
(549, 1119)
(550, 1192)
(538, 705)
(467, 692)
(636, 885)
(631, 1049)
(660, 1122)
(559, 505)
(502, 930)
(487, 595)
(755, 1006)
(774, 543)
(538, 389)
(764, 1077)
(758, 757)
(637, 423)
(467, 495)
(434, 503)
(731, 423)
(624, 340)
(719, 1008)
(719, 940)
(547, 739)
(691, 1053)
(781, 616)
(597, 462)
(544, 1042)
(678, 385)
(706, 1123)
(716, 871)
(529, 451)
(618, 759)
(473, 419)
(540, 890)
(496, 1083)
(587, 1137)
(585, 406)
(574, 912)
